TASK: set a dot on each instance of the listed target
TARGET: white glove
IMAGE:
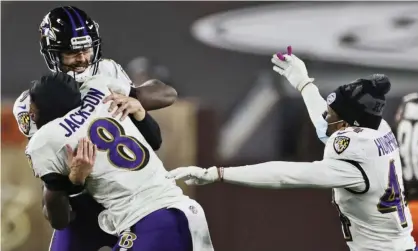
(292, 68)
(195, 175)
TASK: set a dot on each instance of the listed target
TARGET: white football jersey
(375, 215)
(106, 67)
(128, 178)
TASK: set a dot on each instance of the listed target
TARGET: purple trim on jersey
(80, 19)
(72, 22)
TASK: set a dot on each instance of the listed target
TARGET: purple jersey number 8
(123, 151)
(392, 200)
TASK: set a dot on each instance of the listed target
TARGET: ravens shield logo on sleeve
(23, 119)
(341, 143)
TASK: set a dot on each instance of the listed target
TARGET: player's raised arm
(295, 71)
(278, 174)
(154, 95)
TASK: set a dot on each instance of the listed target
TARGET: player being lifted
(407, 135)
(145, 209)
(361, 161)
(70, 43)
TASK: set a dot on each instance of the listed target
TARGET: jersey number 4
(392, 200)
(122, 151)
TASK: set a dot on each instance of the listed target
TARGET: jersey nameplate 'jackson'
(106, 67)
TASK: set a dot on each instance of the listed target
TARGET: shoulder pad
(45, 138)
(349, 143)
(45, 152)
(110, 68)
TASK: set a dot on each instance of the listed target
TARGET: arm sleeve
(21, 113)
(122, 75)
(150, 129)
(59, 182)
(42, 165)
(118, 85)
(43, 156)
(102, 82)
(316, 106)
(314, 102)
(279, 174)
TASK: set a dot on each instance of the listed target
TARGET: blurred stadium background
(232, 110)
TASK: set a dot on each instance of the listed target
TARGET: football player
(407, 134)
(70, 43)
(145, 209)
(361, 162)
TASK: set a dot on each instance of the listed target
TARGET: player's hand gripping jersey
(106, 67)
(128, 178)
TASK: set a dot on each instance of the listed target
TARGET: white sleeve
(280, 174)
(119, 86)
(101, 82)
(42, 162)
(121, 74)
(46, 153)
(314, 102)
(21, 113)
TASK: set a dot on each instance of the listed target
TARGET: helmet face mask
(69, 31)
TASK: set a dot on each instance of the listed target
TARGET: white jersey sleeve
(46, 154)
(346, 145)
(21, 113)
(109, 67)
(315, 104)
(338, 169)
(328, 173)
(100, 81)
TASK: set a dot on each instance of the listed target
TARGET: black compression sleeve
(59, 182)
(150, 130)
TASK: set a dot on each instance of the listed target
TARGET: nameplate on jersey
(23, 120)
(386, 144)
(341, 143)
(76, 119)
